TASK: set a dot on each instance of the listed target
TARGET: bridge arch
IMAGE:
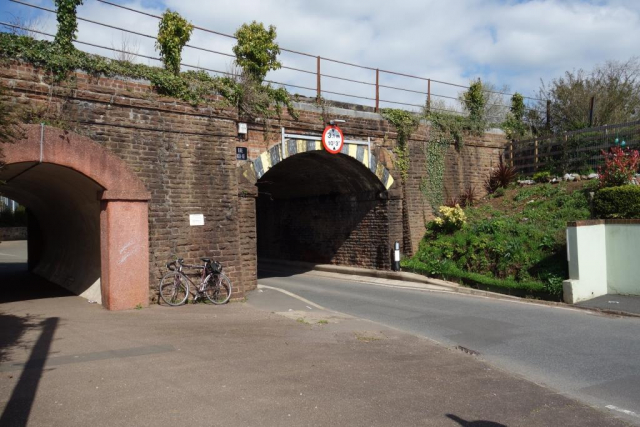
(321, 208)
(88, 215)
(270, 158)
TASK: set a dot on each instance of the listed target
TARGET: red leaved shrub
(619, 167)
(501, 176)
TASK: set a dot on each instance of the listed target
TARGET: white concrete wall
(603, 259)
(587, 263)
(623, 258)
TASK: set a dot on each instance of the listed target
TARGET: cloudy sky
(512, 43)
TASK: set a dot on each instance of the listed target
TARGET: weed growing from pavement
(323, 322)
(366, 338)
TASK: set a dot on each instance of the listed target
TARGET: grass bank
(514, 243)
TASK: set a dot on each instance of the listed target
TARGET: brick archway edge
(45, 144)
(278, 153)
(124, 212)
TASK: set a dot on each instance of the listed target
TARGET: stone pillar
(124, 249)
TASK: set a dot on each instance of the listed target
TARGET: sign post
(332, 139)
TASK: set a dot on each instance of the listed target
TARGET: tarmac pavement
(275, 360)
(622, 303)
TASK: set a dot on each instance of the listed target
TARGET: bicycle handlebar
(180, 261)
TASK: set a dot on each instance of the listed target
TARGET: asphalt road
(65, 362)
(591, 357)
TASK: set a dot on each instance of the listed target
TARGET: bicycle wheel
(174, 288)
(218, 289)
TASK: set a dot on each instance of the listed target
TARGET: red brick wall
(469, 166)
(332, 229)
(185, 156)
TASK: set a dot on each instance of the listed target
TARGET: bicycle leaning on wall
(214, 285)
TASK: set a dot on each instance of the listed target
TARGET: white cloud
(509, 42)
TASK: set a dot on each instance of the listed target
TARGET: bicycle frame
(210, 285)
(204, 278)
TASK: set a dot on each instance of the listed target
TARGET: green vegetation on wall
(256, 54)
(448, 129)
(195, 87)
(432, 185)
(405, 123)
(173, 33)
(474, 104)
(514, 125)
(257, 51)
(67, 24)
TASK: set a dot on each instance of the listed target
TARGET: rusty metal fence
(571, 152)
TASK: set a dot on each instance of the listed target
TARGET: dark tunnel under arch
(88, 228)
(323, 208)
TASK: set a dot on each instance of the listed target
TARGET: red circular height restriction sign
(332, 139)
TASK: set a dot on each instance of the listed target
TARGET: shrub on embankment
(513, 244)
(617, 202)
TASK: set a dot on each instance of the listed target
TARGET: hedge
(617, 202)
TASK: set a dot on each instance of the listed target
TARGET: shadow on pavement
(12, 328)
(274, 268)
(17, 284)
(16, 412)
(478, 423)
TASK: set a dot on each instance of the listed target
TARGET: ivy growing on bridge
(67, 24)
(474, 103)
(447, 129)
(173, 33)
(405, 123)
(514, 125)
(257, 51)
(195, 87)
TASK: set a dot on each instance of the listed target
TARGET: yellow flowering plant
(450, 219)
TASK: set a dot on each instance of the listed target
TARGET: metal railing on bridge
(427, 88)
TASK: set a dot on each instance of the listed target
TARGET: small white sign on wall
(196, 219)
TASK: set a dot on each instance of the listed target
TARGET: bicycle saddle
(207, 260)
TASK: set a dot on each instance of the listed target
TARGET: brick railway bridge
(109, 197)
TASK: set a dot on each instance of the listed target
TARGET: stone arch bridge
(110, 198)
